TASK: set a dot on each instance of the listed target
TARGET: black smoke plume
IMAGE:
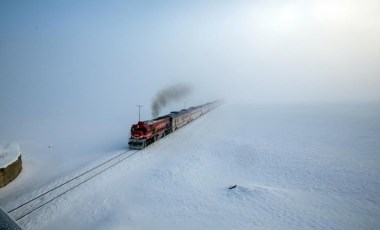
(168, 95)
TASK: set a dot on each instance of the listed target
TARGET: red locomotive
(147, 132)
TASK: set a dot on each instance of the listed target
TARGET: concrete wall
(10, 172)
(7, 223)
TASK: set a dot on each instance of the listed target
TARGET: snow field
(293, 170)
(9, 152)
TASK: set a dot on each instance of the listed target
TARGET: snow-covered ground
(54, 146)
(9, 152)
(300, 167)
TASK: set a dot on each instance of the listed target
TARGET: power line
(139, 110)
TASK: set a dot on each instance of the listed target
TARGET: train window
(138, 129)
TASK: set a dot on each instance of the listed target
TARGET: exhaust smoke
(168, 95)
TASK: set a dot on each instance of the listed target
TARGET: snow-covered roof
(9, 152)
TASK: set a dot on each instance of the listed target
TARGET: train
(147, 132)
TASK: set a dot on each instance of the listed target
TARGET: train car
(145, 133)
(180, 118)
(195, 112)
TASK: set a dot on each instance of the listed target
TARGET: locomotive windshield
(137, 129)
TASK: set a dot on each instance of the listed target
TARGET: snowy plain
(295, 167)
(9, 152)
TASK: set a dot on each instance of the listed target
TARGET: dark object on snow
(232, 187)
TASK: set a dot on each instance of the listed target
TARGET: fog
(81, 56)
(72, 72)
(100, 59)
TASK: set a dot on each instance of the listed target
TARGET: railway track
(26, 208)
(22, 210)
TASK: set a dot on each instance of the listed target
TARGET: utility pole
(139, 110)
(185, 104)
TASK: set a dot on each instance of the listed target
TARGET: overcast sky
(72, 56)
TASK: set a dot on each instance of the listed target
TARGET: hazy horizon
(299, 132)
(96, 56)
